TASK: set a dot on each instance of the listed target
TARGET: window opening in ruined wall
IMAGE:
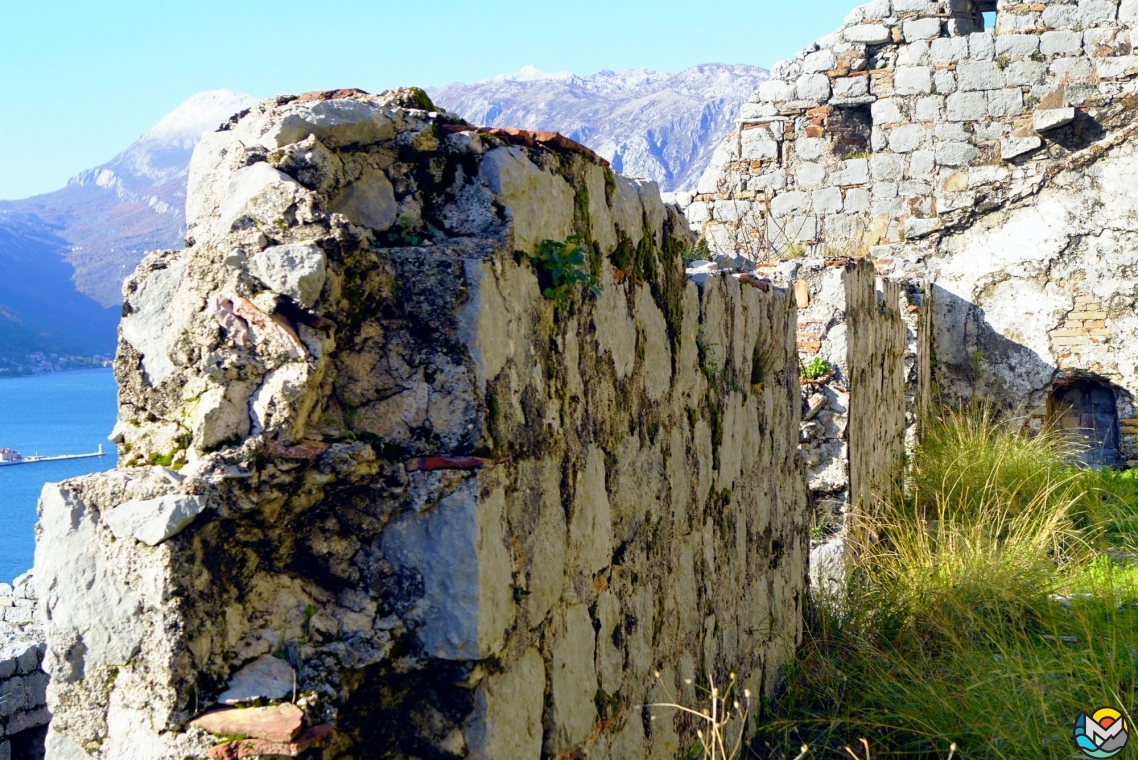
(1087, 413)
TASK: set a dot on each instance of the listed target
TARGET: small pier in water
(10, 457)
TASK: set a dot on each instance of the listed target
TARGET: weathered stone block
(868, 34)
(1004, 103)
(1012, 147)
(809, 175)
(929, 109)
(298, 270)
(153, 521)
(1060, 43)
(944, 82)
(821, 61)
(1025, 73)
(857, 200)
(887, 167)
(851, 87)
(828, 200)
(785, 203)
(948, 49)
(757, 145)
(908, 138)
(1094, 12)
(922, 164)
(458, 549)
(886, 111)
(1019, 45)
(1072, 70)
(967, 106)
(1052, 118)
(1060, 16)
(982, 46)
(813, 87)
(776, 90)
(922, 29)
(979, 75)
(854, 172)
(955, 154)
(507, 718)
(1115, 68)
(913, 80)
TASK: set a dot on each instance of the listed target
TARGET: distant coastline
(39, 363)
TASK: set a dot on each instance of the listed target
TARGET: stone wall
(858, 417)
(994, 163)
(23, 684)
(372, 470)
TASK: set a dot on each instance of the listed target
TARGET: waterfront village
(39, 363)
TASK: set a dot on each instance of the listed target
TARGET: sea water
(60, 413)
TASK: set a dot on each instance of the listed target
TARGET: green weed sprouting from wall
(816, 368)
(566, 265)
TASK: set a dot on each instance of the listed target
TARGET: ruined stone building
(389, 471)
(985, 148)
(432, 449)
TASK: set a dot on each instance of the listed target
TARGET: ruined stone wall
(23, 684)
(372, 469)
(877, 416)
(993, 162)
(859, 416)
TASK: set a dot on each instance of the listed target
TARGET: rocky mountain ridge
(658, 125)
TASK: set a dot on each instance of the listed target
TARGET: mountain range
(64, 254)
(658, 125)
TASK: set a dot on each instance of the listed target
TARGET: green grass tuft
(997, 606)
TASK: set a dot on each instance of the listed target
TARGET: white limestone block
(1005, 103)
(956, 154)
(1025, 73)
(1052, 118)
(948, 49)
(1017, 44)
(922, 29)
(818, 62)
(967, 106)
(297, 270)
(1060, 43)
(913, 80)
(813, 87)
(1094, 12)
(266, 677)
(1118, 67)
(1012, 147)
(982, 46)
(152, 521)
(368, 202)
(979, 75)
(868, 34)
(886, 111)
(459, 549)
(776, 91)
(907, 138)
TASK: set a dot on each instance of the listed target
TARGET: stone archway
(1087, 411)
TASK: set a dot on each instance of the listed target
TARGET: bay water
(60, 413)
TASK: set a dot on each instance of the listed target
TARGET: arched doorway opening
(1086, 411)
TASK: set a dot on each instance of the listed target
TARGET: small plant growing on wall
(565, 267)
(815, 368)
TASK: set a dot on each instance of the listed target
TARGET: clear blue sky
(79, 81)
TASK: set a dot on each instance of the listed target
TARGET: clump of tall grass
(988, 615)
